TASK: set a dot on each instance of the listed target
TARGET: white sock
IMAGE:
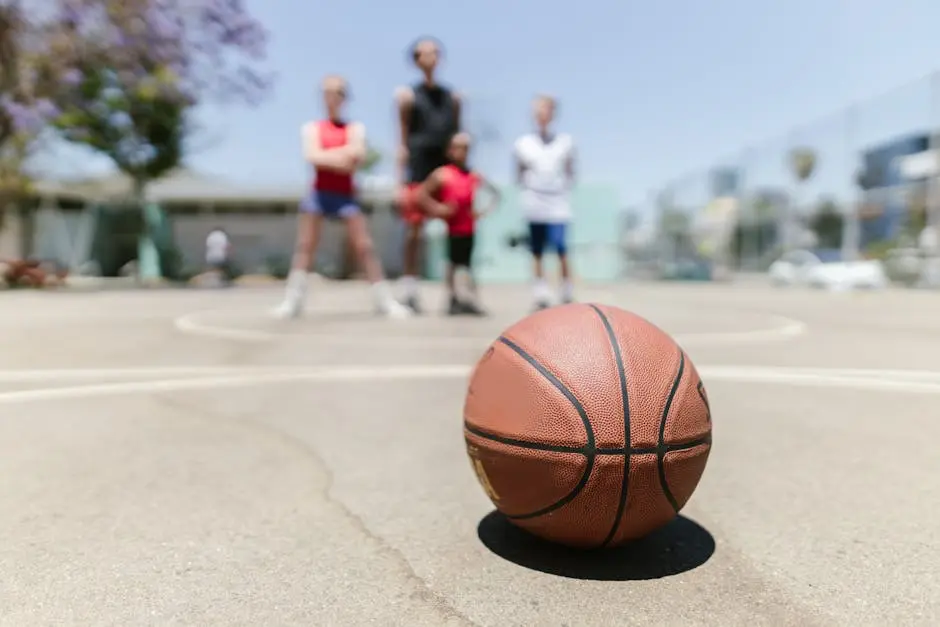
(540, 290)
(296, 284)
(567, 290)
(409, 286)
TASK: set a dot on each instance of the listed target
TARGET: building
(62, 223)
(885, 209)
(261, 220)
(595, 238)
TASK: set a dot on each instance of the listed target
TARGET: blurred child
(334, 147)
(449, 193)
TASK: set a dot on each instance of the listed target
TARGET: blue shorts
(547, 235)
(330, 204)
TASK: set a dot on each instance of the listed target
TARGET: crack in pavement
(422, 592)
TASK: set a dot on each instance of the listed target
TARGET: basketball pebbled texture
(587, 425)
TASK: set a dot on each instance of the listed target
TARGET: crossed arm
(570, 169)
(342, 159)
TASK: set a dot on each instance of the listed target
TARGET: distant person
(335, 147)
(545, 167)
(218, 254)
(449, 192)
(428, 116)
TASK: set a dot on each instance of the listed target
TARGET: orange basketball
(587, 425)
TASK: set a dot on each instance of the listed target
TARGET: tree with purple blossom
(30, 69)
(142, 66)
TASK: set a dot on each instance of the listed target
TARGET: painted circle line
(786, 329)
(913, 381)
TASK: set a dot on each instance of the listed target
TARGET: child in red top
(449, 193)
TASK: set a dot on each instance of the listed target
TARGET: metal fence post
(930, 274)
(933, 193)
(851, 225)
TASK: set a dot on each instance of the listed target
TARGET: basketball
(587, 425)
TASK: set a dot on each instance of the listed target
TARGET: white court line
(191, 324)
(82, 374)
(252, 378)
(774, 373)
(820, 378)
(786, 329)
(834, 378)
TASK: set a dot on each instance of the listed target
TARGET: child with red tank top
(335, 148)
(449, 193)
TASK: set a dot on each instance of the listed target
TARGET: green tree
(916, 212)
(141, 130)
(674, 221)
(802, 165)
(764, 209)
(827, 222)
(143, 68)
(372, 160)
(32, 62)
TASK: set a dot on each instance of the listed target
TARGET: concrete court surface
(176, 458)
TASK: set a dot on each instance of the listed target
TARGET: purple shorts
(330, 204)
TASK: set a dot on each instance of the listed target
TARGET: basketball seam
(600, 451)
(700, 388)
(627, 439)
(589, 450)
(661, 442)
(526, 444)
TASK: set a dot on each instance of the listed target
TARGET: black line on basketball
(589, 450)
(535, 446)
(624, 398)
(684, 446)
(700, 388)
(661, 445)
(652, 450)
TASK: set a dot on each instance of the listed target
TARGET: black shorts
(460, 249)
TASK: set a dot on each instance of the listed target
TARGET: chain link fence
(858, 184)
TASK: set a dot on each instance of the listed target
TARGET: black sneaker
(473, 309)
(541, 304)
(412, 303)
(455, 308)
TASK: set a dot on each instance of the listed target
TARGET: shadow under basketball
(680, 546)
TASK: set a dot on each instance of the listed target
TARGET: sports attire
(217, 252)
(458, 190)
(545, 197)
(432, 121)
(333, 193)
(431, 124)
(217, 247)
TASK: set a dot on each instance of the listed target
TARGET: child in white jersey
(545, 171)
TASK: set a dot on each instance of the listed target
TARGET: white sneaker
(288, 309)
(394, 310)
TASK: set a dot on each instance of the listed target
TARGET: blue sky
(652, 91)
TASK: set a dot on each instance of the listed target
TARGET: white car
(849, 275)
(793, 268)
(803, 268)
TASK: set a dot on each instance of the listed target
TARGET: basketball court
(175, 457)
